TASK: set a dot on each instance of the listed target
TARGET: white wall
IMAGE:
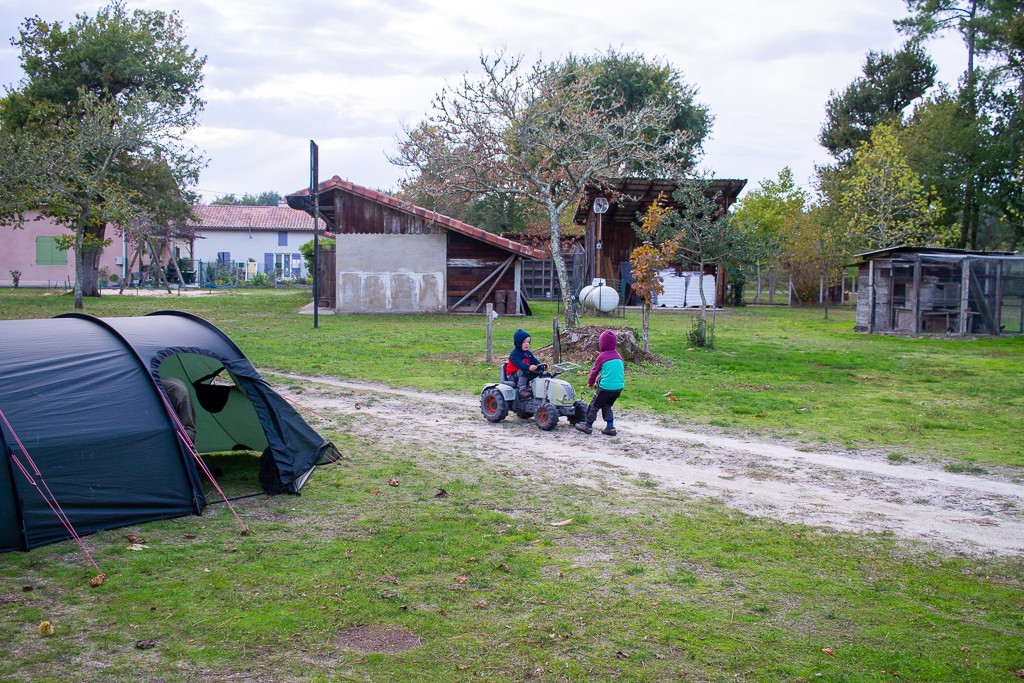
(391, 273)
(244, 244)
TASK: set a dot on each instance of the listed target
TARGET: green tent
(84, 421)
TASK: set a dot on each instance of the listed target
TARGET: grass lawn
(775, 371)
(642, 585)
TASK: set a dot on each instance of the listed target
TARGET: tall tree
(988, 29)
(109, 98)
(883, 200)
(891, 82)
(765, 215)
(540, 133)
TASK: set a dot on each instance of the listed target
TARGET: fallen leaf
(348, 552)
(45, 628)
(132, 538)
(137, 546)
(657, 656)
(441, 493)
(463, 667)
(504, 567)
(97, 580)
(564, 522)
(482, 604)
(206, 570)
(393, 482)
(673, 399)
(387, 595)
(376, 492)
(1020, 673)
(828, 651)
(461, 579)
(760, 415)
(146, 644)
(621, 655)
(667, 393)
(358, 406)
(388, 579)
(190, 535)
(28, 588)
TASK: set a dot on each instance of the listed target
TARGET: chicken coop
(913, 290)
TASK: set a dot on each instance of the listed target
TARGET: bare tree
(542, 133)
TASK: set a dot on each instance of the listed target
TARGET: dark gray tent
(81, 396)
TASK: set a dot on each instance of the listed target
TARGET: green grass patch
(777, 372)
(642, 585)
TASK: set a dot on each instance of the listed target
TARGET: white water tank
(599, 296)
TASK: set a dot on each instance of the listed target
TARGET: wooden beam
(482, 283)
(485, 297)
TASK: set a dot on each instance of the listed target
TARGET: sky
(350, 74)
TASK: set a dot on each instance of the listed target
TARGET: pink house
(32, 250)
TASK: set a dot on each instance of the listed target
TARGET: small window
(282, 239)
(49, 254)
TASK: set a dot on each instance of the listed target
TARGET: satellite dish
(600, 205)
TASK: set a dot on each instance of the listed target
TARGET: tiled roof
(253, 218)
(337, 183)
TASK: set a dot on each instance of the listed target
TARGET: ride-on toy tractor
(549, 398)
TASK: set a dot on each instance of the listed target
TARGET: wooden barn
(915, 290)
(609, 238)
(395, 257)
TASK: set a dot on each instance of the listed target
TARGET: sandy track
(979, 515)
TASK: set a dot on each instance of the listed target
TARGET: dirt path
(980, 515)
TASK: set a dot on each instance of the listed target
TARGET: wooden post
(917, 295)
(871, 296)
(556, 343)
(490, 333)
(999, 299)
(965, 294)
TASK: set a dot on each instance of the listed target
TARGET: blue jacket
(520, 359)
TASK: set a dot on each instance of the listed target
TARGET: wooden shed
(609, 238)
(392, 256)
(915, 290)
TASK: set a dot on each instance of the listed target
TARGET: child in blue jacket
(522, 364)
(609, 374)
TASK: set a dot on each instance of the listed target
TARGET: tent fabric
(83, 395)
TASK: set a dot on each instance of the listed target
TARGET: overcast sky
(349, 73)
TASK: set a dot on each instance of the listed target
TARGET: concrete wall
(391, 273)
(18, 252)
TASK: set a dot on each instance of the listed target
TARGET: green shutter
(48, 253)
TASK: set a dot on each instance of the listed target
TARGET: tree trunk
(79, 267)
(703, 299)
(563, 276)
(94, 234)
(645, 321)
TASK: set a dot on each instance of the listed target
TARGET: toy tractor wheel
(546, 417)
(493, 405)
(580, 413)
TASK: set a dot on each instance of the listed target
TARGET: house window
(48, 253)
(282, 239)
(283, 265)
